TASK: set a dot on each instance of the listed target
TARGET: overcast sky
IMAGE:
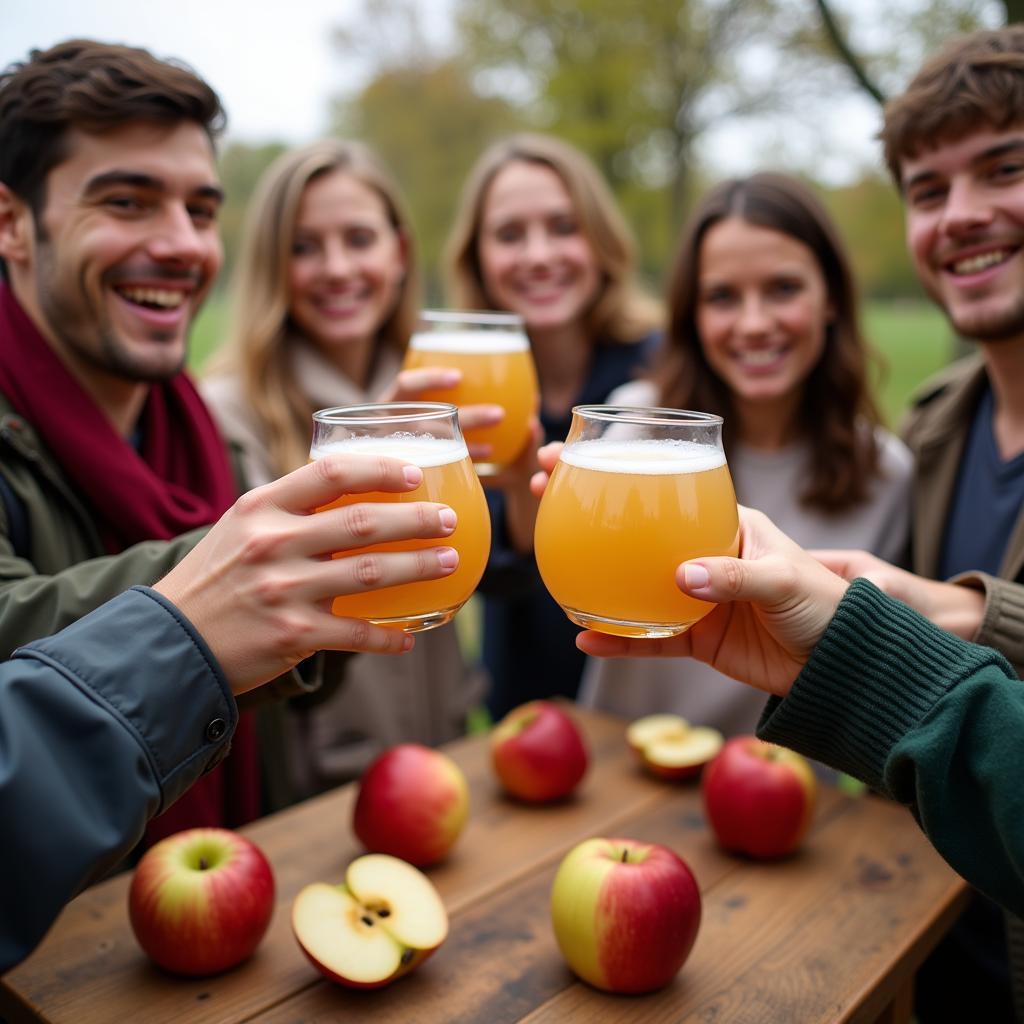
(272, 64)
(270, 60)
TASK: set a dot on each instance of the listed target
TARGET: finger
(337, 633)
(480, 452)
(473, 417)
(367, 523)
(767, 581)
(603, 645)
(331, 476)
(539, 483)
(549, 454)
(375, 570)
(426, 378)
(840, 562)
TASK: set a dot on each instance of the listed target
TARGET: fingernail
(407, 642)
(448, 519)
(447, 557)
(695, 576)
(413, 475)
(451, 377)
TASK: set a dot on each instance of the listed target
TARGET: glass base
(419, 623)
(622, 627)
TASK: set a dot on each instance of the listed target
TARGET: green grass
(914, 340)
(208, 331)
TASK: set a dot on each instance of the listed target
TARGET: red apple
(538, 752)
(759, 797)
(669, 747)
(383, 922)
(201, 900)
(625, 913)
(413, 802)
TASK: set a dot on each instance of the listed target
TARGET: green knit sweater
(930, 720)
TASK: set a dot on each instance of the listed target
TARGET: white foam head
(470, 342)
(650, 457)
(419, 449)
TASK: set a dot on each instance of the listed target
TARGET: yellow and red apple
(759, 797)
(538, 752)
(413, 802)
(200, 900)
(625, 913)
(382, 923)
(669, 747)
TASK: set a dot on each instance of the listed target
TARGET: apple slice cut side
(384, 921)
(646, 730)
(681, 758)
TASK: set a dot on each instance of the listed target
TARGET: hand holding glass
(635, 493)
(493, 354)
(426, 434)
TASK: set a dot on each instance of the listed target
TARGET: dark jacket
(936, 431)
(101, 728)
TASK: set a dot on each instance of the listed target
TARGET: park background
(666, 97)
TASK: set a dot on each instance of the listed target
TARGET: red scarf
(180, 479)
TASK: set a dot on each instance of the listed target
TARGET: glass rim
(481, 316)
(371, 413)
(648, 415)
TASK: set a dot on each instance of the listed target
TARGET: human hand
(259, 585)
(950, 606)
(411, 385)
(773, 603)
(547, 457)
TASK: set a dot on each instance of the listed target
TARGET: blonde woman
(325, 299)
(538, 233)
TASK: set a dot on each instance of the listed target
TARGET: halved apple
(671, 748)
(383, 922)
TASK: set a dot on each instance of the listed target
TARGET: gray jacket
(102, 727)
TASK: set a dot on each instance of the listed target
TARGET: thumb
(765, 581)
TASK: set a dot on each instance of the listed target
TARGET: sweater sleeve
(101, 727)
(932, 721)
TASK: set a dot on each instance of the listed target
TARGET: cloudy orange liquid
(497, 368)
(449, 478)
(616, 520)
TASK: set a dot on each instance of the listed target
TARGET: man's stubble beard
(110, 356)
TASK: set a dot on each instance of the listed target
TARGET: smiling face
(535, 259)
(762, 310)
(347, 265)
(123, 251)
(965, 230)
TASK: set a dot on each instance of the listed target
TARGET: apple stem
(202, 864)
(625, 856)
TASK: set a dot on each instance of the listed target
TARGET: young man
(954, 142)
(108, 236)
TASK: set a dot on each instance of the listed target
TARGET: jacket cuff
(167, 690)
(876, 672)
(1002, 625)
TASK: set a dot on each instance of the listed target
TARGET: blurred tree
(869, 216)
(421, 112)
(633, 85)
(880, 66)
(240, 168)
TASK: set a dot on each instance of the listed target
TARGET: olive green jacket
(936, 431)
(66, 572)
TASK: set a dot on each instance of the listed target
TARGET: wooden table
(831, 934)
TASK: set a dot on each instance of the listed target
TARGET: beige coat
(422, 697)
(936, 431)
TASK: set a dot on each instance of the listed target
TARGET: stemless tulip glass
(635, 492)
(428, 435)
(493, 353)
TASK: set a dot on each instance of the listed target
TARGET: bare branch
(852, 61)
